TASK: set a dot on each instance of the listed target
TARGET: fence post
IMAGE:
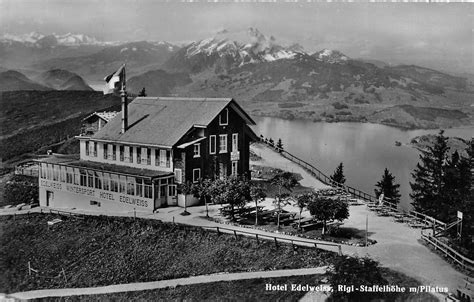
(41, 210)
(276, 242)
(235, 233)
(218, 233)
(256, 236)
(29, 268)
(340, 250)
(315, 245)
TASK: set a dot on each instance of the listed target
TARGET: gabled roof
(162, 121)
(105, 115)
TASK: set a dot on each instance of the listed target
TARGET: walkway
(130, 287)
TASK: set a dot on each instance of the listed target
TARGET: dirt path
(129, 287)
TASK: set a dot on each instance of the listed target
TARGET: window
(114, 183)
(43, 170)
(223, 143)
(76, 176)
(139, 155)
(139, 186)
(196, 175)
(178, 175)
(69, 175)
(212, 144)
(168, 158)
(106, 151)
(130, 153)
(55, 172)
(90, 179)
(131, 186)
(98, 180)
(106, 181)
(235, 142)
(87, 148)
(148, 156)
(197, 150)
(122, 152)
(122, 181)
(83, 179)
(235, 166)
(224, 117)
(172, 190)
(163, 158)
(148, 189)
(94, 148)
(114, 152)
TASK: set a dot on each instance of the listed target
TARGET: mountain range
(55, 79)
(272, 79)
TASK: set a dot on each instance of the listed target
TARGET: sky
(437, 35)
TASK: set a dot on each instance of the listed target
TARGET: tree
(202, 190)
(428, 184)
(324, 209)
(388, 187)
(338, 175)
(233, 191)
(271, 142)
(185, 188)
(284, 181)
(258, 195)
(142, 92)
(358, 272)
(302, 201)
(279, 145)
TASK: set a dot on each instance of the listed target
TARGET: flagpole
(123, 94)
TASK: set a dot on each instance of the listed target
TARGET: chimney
(124, 110)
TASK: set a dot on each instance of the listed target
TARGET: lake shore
(405, 117)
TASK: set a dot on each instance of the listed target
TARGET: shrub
(21, 189)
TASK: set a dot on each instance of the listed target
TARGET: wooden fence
(448, 251)
(276, 239)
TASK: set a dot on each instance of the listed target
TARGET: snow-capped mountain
(69, 39)
(232, 49)
(330, 56)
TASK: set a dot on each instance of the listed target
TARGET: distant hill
(61, 79)
(138, 55)
(11, 80)
(157, 82)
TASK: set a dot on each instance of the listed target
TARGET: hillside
(61, 79)
(13, 80)
(30, 120)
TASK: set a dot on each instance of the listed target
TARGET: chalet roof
(74, 161)
(164, 120)
(105, 115)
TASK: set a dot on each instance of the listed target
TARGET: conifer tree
(429, 180)
(279, 144)
(338, 175)
(388, 187)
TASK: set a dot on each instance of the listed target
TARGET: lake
(365, 149)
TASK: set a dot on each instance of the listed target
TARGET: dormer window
(224, 117)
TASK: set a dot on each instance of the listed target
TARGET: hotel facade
(138, 159)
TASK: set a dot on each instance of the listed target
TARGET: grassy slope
(30, 120)
(102, 251)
